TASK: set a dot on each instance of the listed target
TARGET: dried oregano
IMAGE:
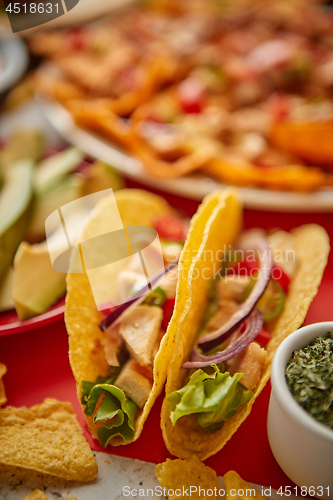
(310, 378)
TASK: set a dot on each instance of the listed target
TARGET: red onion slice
(137, 298)
(260, 245)
(253, 326)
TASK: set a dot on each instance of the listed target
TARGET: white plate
(118, 478)
(194, 186)
(13, 59)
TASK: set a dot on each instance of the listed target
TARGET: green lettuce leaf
(116, 409)
(213, 398)
(87, 386)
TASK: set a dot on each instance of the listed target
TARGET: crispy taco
(239, 294)
(119, 353)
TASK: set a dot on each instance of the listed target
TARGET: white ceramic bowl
(302, 446)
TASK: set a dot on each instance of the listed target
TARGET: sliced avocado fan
(16, 202)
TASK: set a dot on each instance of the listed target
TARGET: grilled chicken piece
(112, 343)
(140, 328)
(232, 288)
(136, 381)
(227, 309)
(171, 253)
(283, 251)
(250, 362)
(169, 283)
(127, 280)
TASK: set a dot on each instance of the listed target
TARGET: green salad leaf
(116, 409)
(87, 386)
(212, 397)
(213, 304)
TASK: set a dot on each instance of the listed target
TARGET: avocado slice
(63, 189)
(66, 190)
(50, 170)
(16, 201)
(6, 287)
(36, 285)
(100, 176)
(22, 144)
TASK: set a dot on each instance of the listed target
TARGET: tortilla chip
(36, 495)
(238, 489)
(46, 438)
(312, 247)
(86, 353)
(190, 476)
(39, 495)
(3, 399)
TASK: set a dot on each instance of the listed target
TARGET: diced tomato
(127, 78)
(153, 117)
(167, 312)
(191, 96)
(262, 164)
(265, 160)
(263, 337)
(107, 308)
(281, 277)
(77, 39)
(278, 105)
(246, 267)
(171, 228)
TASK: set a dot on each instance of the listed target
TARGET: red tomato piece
(107, 308)
(153, 117)
(171, 228)
(167, 312)
(281, 277)
(191, 96)
(77, 39)
(263, 337)
(246, 267)
(127, 78)
(279, 106)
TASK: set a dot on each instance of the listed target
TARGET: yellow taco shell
(186, 438)
(86, 353)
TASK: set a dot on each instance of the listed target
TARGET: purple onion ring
(137, 298)
(253, 326)
(261, 245)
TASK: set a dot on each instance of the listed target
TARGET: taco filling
(132, 335)
(244, 298)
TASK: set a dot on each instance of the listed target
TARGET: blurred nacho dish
(240, 90)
